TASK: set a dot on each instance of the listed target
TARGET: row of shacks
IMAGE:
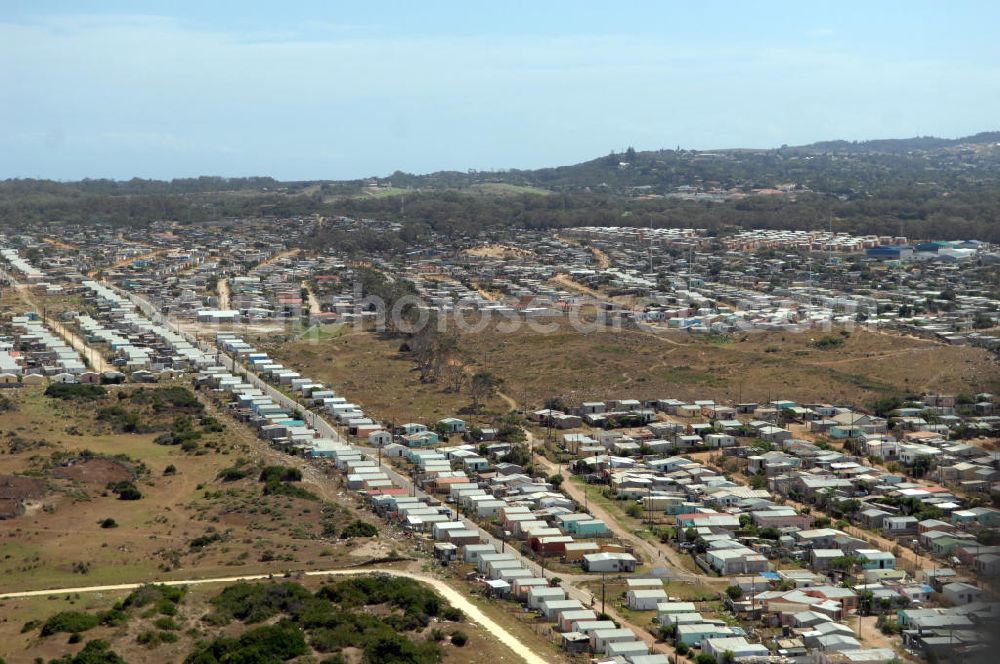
(503, 572)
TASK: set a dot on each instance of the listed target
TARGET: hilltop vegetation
(922, 187)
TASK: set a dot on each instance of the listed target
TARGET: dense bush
(827, 342)
(271, 643)
(165, 398)
(397, 649)
(232, 474)
(290, 490)
(256, 602)
(277, 482)
(95, 652)
(280, 474)
(359, 529)
(151, 638)
(406, 594)
(125, 490)
(181, 433)
(75, 392)
(451, 614)
(121, 419)
(204, 540)
(73, 622)
(153, 594)
(330, 619)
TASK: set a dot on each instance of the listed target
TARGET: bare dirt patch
(17, 487)
(93, 471)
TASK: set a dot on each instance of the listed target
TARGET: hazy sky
(332, 89)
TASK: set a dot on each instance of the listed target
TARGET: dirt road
(126, 261)
(93, 356)
(312, 300)
(571, 285)
(222, 286)
(655, 554)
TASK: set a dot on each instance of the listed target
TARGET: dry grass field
(370, 371)
(756, 366)
(187, 523)
(636, 364)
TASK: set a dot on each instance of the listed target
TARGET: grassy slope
(40, 548)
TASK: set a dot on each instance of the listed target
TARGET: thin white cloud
(330, 100)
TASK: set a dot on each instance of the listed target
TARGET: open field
(370, 371)
(536, 366)
(187, 521)
(636, 364)
(498, 251)
(503, 188)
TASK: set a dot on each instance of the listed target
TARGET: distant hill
(834, 167)
(898, 145)
(923, 187)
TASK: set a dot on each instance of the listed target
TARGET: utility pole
(603, 577)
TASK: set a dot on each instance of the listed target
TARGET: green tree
(483, 386)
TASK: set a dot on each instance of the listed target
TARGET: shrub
(121, 419)
(232, 474)
(108, 523)
(827, 342)
(125, 490)
(211, 424)
(166, 623)
(95, 652)
(397, 648)
(280, 474)
(75, 392)
(204, 540)
(359, 529)
(705, 658)
(270, 643)
(451, 614)
(409, 595)
(152, 593)
(252, 603)
(161, 399)
(290, 490)
(459, 639)
(170, 470)
(151, 639)
(72, 622)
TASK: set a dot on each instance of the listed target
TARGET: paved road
(453, 597)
